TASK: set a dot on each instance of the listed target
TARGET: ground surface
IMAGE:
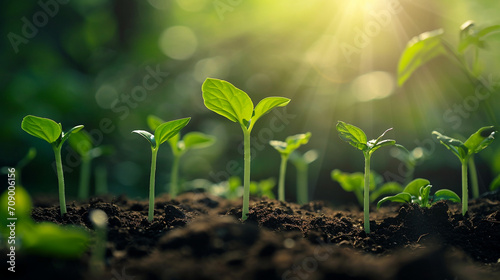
(199, 236)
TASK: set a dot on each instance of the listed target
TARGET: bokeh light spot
(373, 85)
(178, 42)
(105, 96)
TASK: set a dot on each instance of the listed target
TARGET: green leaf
(414, 186)
(150, 137)
(197, 140)
(471, 36)
(352, 135)
(154, 122)
(67, 134)
(419, 50)
(348, 181)
(445, 194)
(226, 100)
(176, 144)
(42, 128)
(266, 105)
(167, 130)
(383, 143)
(452, 144)
(495, 184)
(386, 189)
(480, 139)
(81, 142)
(400, 197)
(291, 144)
(423, 198)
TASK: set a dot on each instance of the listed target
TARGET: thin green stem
(101, 184)
(152, 185)
(302, 191)
(366, 204)
(281, 184)
(473, 177)
(99, 253)
(174, 188)
(246, 174)
(83, 190)
(465, 194)
(60, 179)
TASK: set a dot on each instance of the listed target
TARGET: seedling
(99, 220)
(285, 149)
(410, 158)
(465, 150)
(301, 163)
(418, 191)
(263, 188)
(353, 182)
(357, 138)
(81, 142)
(226, 100)
(51, 132)
(161, 134)
(192, 140)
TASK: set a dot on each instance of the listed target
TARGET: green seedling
(99, 220)
(465, 150)
(357, 138)
(354, 182)
(410, 158)
(285, 149)
(263, 188)
(51, 132)
(429, 45)
(301, 163)
(192, 140)
(226, 100)
(161, 134)
(418, 191)
(82, 143)
(45, 238)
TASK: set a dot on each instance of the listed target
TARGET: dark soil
(199, 236)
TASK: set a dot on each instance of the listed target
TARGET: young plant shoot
(418, 191)
(192, 140)
(464, 151)
(357, 138)
(301, 163)
(285, 149)
(226, 100)
(51, 132)
(161, 134)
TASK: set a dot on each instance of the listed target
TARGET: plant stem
(60, 179)
(83, 190)
(173, 177)
(366, 204)
(281, 184)
(302, 191)
(152, 185)
(465, 195)
(101, 185)
(246, 174)
(473, 177)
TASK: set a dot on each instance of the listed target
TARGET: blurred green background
(108, 64)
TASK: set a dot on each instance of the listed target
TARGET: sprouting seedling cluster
(51, 132)
(192, 140)
(226, 100)
(285, 149)
(162, 133)
(418, 192)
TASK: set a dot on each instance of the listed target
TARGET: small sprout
(162, 133)
(301, 163)
(418, 192)
(357, 138)
(465, 150)
(410, 158)
(263, 188)
(100, 221)
(51, 132)
(226, 100)
(285, 149)
(192, 140)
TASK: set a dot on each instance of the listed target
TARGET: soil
(200, 236)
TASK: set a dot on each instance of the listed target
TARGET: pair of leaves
(226, 100)
(474, 144)
(163, 132)
(192, 140)
(418, 191)
(47, 129)
(291, 143)
(357, 138)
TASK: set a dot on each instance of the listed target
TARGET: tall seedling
(51, 132)
(357, 138)
(226, 100)
(161, 134)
